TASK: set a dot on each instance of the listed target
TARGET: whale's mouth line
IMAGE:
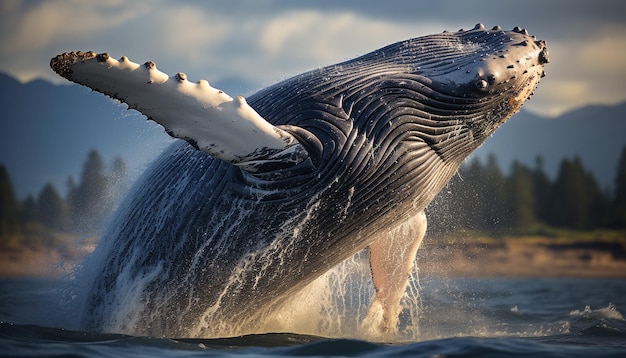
(450, 125)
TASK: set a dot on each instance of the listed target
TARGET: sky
(261, 42)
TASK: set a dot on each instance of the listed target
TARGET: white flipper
(391, 260)
(206, 117)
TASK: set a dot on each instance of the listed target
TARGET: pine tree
(52, 209)
(479, 196)
(521, 197)
(468, 207)
(28, 210)
(9, 214)
(619, 198)
(88, 199)
(542, 187)
(577, 202)
(117, 182)
(599, 203)
(494, 196)
(446, 212)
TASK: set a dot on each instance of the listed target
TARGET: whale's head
(496, 70)
(469, 82)
(481, 77)
(485, 64)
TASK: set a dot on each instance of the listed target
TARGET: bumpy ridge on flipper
(206, 117)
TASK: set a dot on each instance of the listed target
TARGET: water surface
(458, 317)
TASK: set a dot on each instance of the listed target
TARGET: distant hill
(596, 134)
(46, 131)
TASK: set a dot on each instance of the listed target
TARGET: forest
(49, 217)
(481, 198)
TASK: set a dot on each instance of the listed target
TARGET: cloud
(297, 41)
(177, 37)
(263, 42)
(584, 72)
(41, 25)
(34, 31)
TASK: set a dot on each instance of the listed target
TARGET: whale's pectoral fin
(391, 260)
(208, 118)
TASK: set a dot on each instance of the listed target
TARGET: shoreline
(38, 261)
(529, 256)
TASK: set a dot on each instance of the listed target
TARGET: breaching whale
(264, 195)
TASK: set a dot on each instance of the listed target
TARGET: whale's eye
(481, 84)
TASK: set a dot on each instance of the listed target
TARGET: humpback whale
(263, 195)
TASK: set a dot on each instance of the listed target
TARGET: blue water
(458, 317)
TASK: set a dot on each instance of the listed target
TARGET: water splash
(608, 312)
(336, 304)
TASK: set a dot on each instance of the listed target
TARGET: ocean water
(469, 317)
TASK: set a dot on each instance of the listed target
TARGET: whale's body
(208, 241)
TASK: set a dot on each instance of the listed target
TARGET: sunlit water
(449, 317)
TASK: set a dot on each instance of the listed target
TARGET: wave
(470, 317)
(31, 340)
(608, 312)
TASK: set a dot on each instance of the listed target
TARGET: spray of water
(335, 305)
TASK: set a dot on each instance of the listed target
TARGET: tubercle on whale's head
(501, 70)
(482, 76)
(489, 62)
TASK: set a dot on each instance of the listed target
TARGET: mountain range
(594, 134)
(46, 131)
